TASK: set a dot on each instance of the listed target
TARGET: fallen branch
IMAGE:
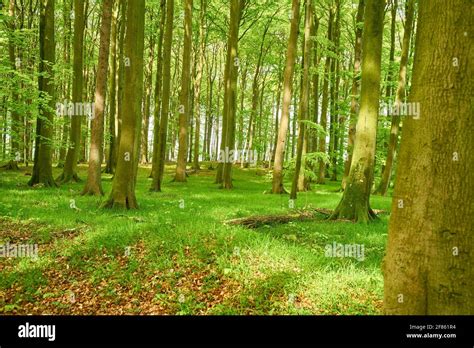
(261, 220)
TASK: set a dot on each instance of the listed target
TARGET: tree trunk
(354, 204)
(94, 179)
(184, 107)
(304, 100)
(354, 91)
(43, 167)
(325, 103)
(70, 166)
(236, 7)
(395, 124)
(123, 186)
(160, 150)
(112, 157)
(428, 268)
(197, 85)
(277, 184)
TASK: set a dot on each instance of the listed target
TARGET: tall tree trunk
(123, 186)
(158, 86)
(325, 102)
(354, 204)
(304, 100)
(94, 179)
(15, 116)
(428, 268)
(354, 91)
(335, 121)
(184, 107)
(236, 7)
(112, 157)
(70, 166)
(395, 124)
(43, 167)
(159, 166)
(197, 85)
(277, 184)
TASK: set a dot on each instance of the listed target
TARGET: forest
(236, 157)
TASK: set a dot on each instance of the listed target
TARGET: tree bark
(354, 91)
(94, 179)
(304, 100)
(43, 167)
(165, 100)
(400, 96)
(428, 267)
(354, 204)
(123, 186)
(277, 184)
(70, 166)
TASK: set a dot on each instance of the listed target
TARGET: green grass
(184, 260)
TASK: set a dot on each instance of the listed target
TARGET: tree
(354, 90)
(159, 166)
(395, 124)
(123, 186)
(354, 204)
(185, 105)
(201, 53)
(15, 145)
(43, 167)
(236, 7)
(70, 166)
(304, 100)
(325, 102)
(94, 179)
(277, 184)
(428, 265)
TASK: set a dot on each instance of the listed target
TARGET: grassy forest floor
(175, 255)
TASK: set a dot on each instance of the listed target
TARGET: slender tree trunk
(197, 85)
(304, 100)
(94, 179)
(354, 204)
(43, 167)
(15, 116)
(112, 157)
(123, 186)
(165, 100)
(354, 91)
(236, 7)
(428, 268)
(70, 166)
(185, 107)
(277, 185)
(325, 103)
(395, 124)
